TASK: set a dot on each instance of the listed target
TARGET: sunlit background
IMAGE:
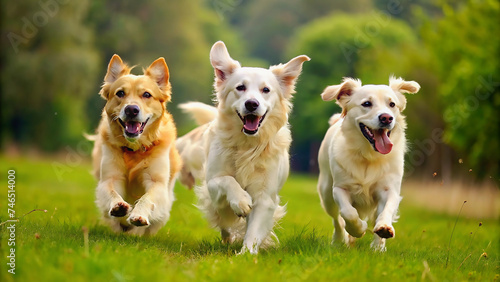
(54, 56)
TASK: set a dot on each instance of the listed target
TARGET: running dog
(244, 150)
(135, 159)
(361, 158)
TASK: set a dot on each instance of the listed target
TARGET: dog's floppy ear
(223, 64)
(158, 71)
(116, 69)
(400, 86)
(342, 92)
(288, 73)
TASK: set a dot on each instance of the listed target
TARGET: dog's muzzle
(130, 124)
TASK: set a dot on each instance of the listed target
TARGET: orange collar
(143, 148)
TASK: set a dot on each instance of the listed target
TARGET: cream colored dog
(135, 159)
(361, 158)
(246, 146)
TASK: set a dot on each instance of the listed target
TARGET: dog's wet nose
(251, 105)
(385, 119)
(132, 111)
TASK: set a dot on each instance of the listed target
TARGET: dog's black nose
(251, 105)
(132, 111)
(385, 119)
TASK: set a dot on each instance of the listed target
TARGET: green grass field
(51, 246)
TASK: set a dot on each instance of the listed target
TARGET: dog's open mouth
(378, 138)
(251, 123)
(133, 128)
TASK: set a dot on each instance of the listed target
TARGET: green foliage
(468, 68)
(341, 45)
(180, 31)
(54, 56)
(51, 246)
(268, 26)
(47, 72)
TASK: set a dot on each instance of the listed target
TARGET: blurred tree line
(54, 55)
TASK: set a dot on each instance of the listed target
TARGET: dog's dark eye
(367, 104)
(146, 95)
(120, 94)
(392, 104)
(241, 88)
(266, 90)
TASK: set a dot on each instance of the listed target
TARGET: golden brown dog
(135, 159)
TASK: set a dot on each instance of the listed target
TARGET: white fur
(357, 183)
(244, 172)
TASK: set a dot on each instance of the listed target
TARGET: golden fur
(136, 173)
(361, 158)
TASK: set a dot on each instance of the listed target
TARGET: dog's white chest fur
(361, 158)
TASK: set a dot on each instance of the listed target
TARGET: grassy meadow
(69, 242)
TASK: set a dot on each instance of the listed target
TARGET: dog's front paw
(120, 209)
(138, 220)
(384, 231)
(243, 205)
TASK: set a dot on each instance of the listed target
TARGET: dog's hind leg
(353, 224)
(325, 191)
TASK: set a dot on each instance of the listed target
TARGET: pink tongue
(382, 141)
(132, 127)
(251, 122)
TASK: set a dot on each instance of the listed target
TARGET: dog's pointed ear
(116, 69)
(158, 71)
(288, 73)
(342, 92)
(222, 63)
(400, 86)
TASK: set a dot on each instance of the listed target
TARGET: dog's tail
(90, 137)
(200, 112)
(333, 119)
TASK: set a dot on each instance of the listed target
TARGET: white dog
(246, 146)
(361, 158)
